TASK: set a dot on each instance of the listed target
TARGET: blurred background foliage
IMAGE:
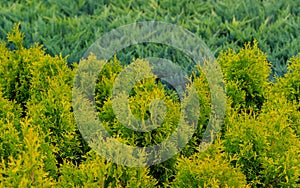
(70, 27)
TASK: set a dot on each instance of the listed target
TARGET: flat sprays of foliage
(41, 145)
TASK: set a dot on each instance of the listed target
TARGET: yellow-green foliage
(265, 145)
(28, 167)
(289, 88)
(41, 84)
(40, 138)
(140, 97)
(40, 145)
(210, 168)
(22, 158)
(10, 129)
(246, 74)
(98, 172)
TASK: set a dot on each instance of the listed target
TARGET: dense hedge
(70, 27)
(41, 146)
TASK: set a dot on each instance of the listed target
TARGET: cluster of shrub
(40, 144)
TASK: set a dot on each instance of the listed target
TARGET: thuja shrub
(106, 80)
(289, 87)
(40, 142)
(283, 156)
(52, 114)
(200, 82)
(140, 99)
(210, 168)
(10, 129)
(15, 68)
(95, 171)
(27, 168)
(143, 92)
(50, 107)
(41, 86)
(246, 74)
(23, 161)
(289, 84)
(22, 68)
(264, 145)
